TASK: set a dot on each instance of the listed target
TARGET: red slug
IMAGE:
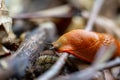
(84, 44)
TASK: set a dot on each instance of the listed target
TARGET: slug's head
(60, 43)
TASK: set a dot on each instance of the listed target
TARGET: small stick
(89, 72)
(108, 75)
(96, 8)
(58, 12)
(55, 69)
(104, 54)
(108, 24)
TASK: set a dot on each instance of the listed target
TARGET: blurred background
(73, 11)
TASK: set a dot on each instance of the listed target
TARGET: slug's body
(84, 44)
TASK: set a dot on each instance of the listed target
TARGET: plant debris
(28, 29)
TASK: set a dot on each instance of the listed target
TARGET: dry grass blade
(88, 73)
(104, 54)
(96, 8)
(61, 11)
(116, 72)
(55, 69)
(108, 75)
(5, 20)
(107, 24)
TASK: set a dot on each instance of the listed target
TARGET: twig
(55, 69)
(108, 24)
(89, 72)
(104, 54)
(108, 75)
(61, 11)
(28, 51)
(82, 75)
(96, 8)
